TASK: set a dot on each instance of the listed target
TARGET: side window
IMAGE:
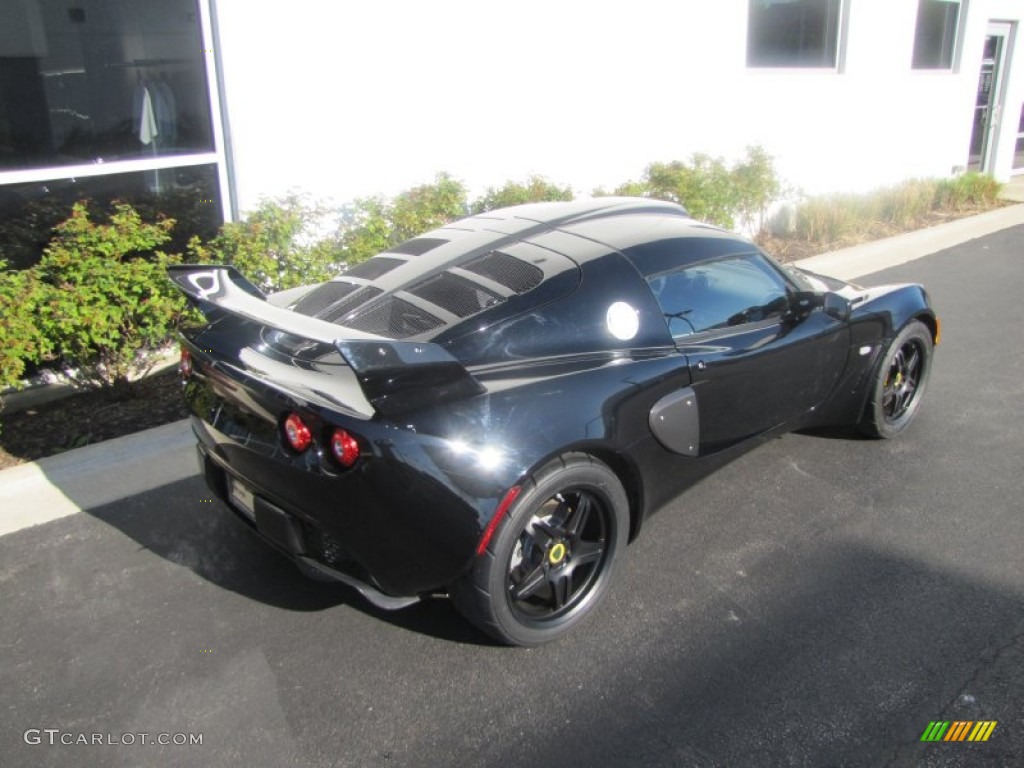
(720, 294)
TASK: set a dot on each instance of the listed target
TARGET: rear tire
(552, 559)
(900, 382)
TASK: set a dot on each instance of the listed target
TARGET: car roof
(518, 257)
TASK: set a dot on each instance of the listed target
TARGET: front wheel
(900, 382)
(552, 559)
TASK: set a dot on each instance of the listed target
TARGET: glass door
(1018, 154)
(988, 104)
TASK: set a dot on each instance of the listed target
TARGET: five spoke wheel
(900, 384)
(553, 555)
(558, 555)
(900, 381)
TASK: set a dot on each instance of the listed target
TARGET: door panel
(752, 379)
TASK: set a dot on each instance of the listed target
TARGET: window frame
(955, 45)
(838, 62)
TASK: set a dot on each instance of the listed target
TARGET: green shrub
(904, 204)
(832, 219)
(969, 190)
(757, 187)
(712, 191)
(829, 218)
(276, 246)
(536, 189)
(374, 224)
(21, 339)
(102, 297)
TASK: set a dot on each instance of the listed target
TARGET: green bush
(276, 246)
(102, 299)
(21, 339)
(832, 219)
(536, 189)
(757, 187)
(711, 190)
(374, 224)
(969, 190)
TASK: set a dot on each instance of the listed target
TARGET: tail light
(296, 433)
(344, 448)
(185, 364)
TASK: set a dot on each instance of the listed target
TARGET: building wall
(350, 99)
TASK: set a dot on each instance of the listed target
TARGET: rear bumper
(313, 550)
(405, 519)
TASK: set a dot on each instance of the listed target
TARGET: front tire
(552, 558)
(900, 382)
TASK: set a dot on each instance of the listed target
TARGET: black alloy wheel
(900, 382)
(552, 558)
(559, 554)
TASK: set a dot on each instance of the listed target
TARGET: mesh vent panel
(515, 274)
(323, 296)
(373, 268)
(459, 296)
(341, 308)
(394, 318)
(418, 246)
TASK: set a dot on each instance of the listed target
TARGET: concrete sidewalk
(88, 477)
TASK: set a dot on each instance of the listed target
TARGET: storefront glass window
(28, 212)
(90, 81)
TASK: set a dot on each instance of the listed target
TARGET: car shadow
(185, 524)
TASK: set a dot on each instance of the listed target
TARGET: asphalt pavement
(817, 602)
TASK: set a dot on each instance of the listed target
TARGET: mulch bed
(89, 417)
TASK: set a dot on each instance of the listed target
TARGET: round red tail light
(185, 364)
(296, 433)
(344, 448)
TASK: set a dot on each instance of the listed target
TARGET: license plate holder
(243, 497)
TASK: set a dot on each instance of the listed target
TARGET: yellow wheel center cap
(557, 553)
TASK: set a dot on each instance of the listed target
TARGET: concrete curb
(89, 477)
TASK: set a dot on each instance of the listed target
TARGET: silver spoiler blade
(395, 376)
(226, 288)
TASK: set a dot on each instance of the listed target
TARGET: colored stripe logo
(959, 730)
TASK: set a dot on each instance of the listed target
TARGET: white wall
(346, 99)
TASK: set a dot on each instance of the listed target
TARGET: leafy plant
(276, 246)
(969, 190)
(374, 224)
(837, 219)
(102, 299)
(21, 339)
(711, 190)
(757, 187)
(535, 189)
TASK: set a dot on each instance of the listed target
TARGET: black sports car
(491, 410)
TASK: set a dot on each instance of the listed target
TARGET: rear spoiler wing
(395, 376)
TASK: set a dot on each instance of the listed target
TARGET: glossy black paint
(450, 418)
